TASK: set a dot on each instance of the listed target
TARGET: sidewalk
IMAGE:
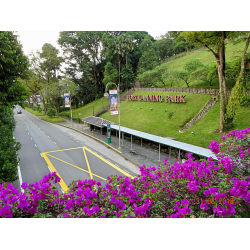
(147, 156)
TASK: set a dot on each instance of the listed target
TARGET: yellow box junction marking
(62, 183)
(76, 167)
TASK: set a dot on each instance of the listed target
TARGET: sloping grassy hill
(206, 57)
(87, 110)
(158, 121)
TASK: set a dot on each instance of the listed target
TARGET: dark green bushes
(8, 146)
(101, 113)
(51, 112)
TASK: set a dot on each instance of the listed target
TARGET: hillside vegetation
(159, 122)
(205, 57)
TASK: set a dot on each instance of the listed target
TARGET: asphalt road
(48, 147)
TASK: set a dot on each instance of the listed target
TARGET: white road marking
(28, 133)
(31, 138)
(35, 145)
(55, 142)
(48, 136)
(49, 169)
(20, 177)
(126, 171)
(41, 155)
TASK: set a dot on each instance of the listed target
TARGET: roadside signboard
(66, 100)
(113, 102)
(38, 98)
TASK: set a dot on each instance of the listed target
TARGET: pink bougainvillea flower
(88, 202)
(203, 206)
(24, 185)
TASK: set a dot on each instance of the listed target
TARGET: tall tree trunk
(222, 81)
(237, 91)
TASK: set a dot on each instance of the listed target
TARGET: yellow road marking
(90, 173)
(111, 164)
(62, 183)
(93, 137)
(76, 166)
(62, 150)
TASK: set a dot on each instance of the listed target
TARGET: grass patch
(157, 121)
(87, 110)
(34, 112)
(206, 57)
(53, 119)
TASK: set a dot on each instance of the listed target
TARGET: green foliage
(8, 146)
(170, 115)
(53, 119)
(64, 113)
(101, 113)
(172, 75)
(234, 100)
(51, 112)
(111, 74)
(13, 65)
(63, 108)
(245, 101)
(150, 55)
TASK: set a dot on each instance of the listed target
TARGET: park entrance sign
(157, 98)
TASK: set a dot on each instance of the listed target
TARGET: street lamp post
(119, 103)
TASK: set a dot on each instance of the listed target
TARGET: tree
(190, 67)
(214, 41)
(212, 73)
(166, 46)
(13, 67)
(85, 61)
(150, 55)
(200, 74)
(111, 74)
(238, 89)
(172, 75)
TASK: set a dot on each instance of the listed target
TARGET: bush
(65, 114)
(170, 115)
(204, 188)
(39, 109)
(101, 113)
(51, 112)
(245, 101)
(8, 146)
(62, 108)
(77, 119)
